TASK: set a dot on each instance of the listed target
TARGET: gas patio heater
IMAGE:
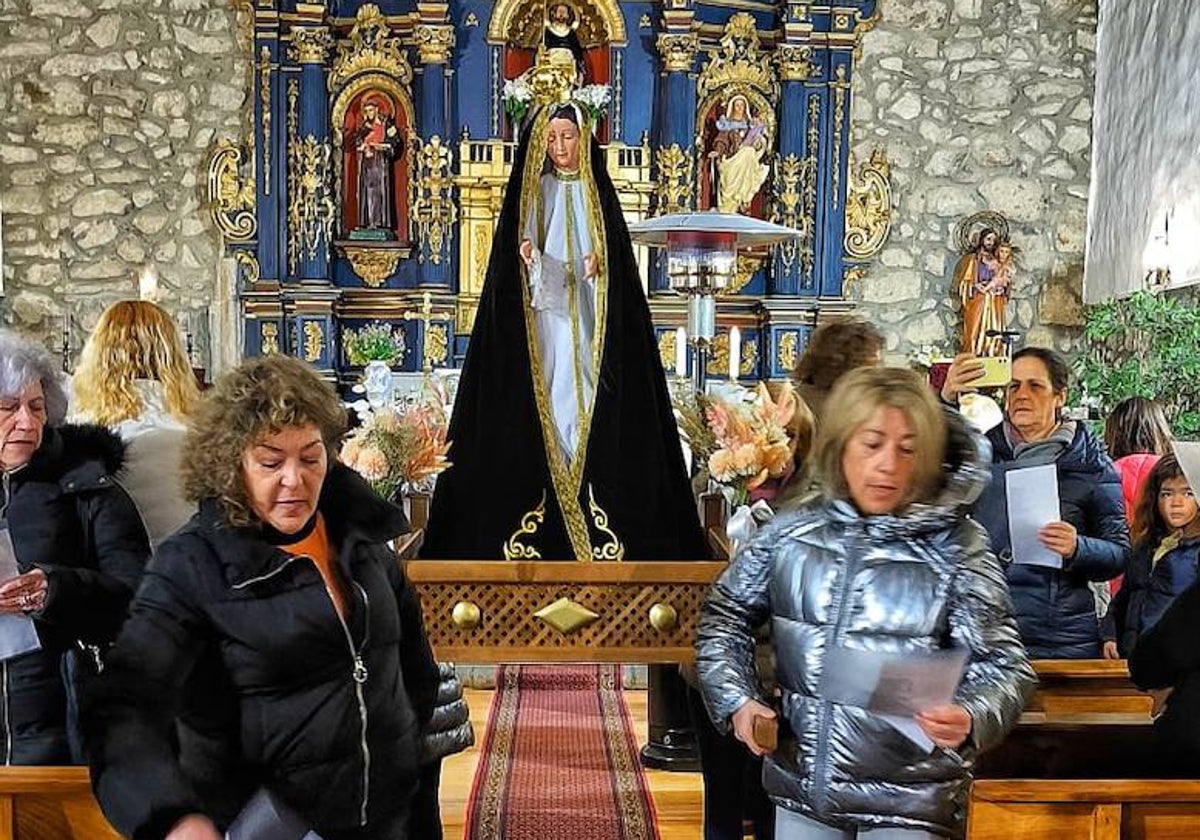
(702, 253)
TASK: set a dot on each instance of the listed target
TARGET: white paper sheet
(1032, 494)
(1188, 455)
(18, 634)
(894, 686)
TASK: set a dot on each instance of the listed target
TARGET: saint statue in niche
(736, 156)
(983, 281)
(561, 26)
(376, 141)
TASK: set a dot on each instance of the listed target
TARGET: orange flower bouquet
(399, 449)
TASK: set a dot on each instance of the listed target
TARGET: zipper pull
(360, 670)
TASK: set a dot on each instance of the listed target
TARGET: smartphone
(997, 372)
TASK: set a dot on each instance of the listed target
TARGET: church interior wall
(979, 105)
(108, 111)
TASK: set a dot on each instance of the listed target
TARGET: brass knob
(466, 615)
(663, 618)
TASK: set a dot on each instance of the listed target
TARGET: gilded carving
(678, 50)
(852, 275)
(791, 174)
(437, 345)
(645, 23)
(612, 549)
(243, 11)
(434, 43)
(314, 341)
(310, 45)
(264, 93)
(747, 264)
(667, 342)
(718, 362)
(675, 188)
(868, 208)
(252, 273)
(310, 205)
(433, 209)
(370, 48)
(231, 197)
(739, 60)
(269, 335)
(520, 23)
(373, 265)
(788, 345)
(840, 89)
(794, 62)
(480, 254)
(515, 548)
(809, 193)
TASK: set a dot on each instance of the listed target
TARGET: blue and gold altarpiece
(369, 185)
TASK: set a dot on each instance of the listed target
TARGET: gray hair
(23, 362)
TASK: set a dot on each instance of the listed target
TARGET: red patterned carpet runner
(559, 760)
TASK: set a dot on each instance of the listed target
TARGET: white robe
(551, 288)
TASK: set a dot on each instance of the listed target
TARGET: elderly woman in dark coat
(311, 676)
(80, 549)
(884, 559)
(1055, 607)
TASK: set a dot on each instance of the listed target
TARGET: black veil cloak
(511, 494)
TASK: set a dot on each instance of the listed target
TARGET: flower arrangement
(399, 448)
(742, 438)
(376, 342)
(517, 96)
(594, 100)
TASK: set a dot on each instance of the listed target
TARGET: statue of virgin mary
(564, 443)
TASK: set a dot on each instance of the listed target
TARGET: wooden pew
(50, 803)
(1095, 809)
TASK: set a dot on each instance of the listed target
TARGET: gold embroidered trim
(564, 175)
(530, 522)
(567, 479)
(613, 549)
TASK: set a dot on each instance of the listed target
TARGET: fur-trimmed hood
(79, 455)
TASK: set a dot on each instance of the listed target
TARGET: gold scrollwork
(747, 264)
(738, 60)
(314, 341)
(370, 47)
(480, 254)
(373, 265)
(678, 50)
(791, 173)
(310, 206)
(437, 345)
(868, 208)
(794, 62)
(252, 272)
(310, 44)
(433, 210)
(666, 352)
(514, 548)
(612, 549)
(675, 182)
(852, 275)
(840, 90)
(434, 43)
(808, 241)
(231, 196)
(264, 94)
(718, 362)
(269, 335)
(789, 343)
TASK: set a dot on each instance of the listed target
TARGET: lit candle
(735, 353)
(681, 350)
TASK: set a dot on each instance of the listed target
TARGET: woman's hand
(946, 726)
(1109, 650)
(194, 827)
(1059, 537)
(743, 724)
(526, 250)
(24, 594)
(591, 266)
(964, 370)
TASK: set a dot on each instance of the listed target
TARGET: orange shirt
(316, 545)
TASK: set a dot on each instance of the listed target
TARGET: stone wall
(979, 104)
(107, 111)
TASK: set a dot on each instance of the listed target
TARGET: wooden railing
(50, 803)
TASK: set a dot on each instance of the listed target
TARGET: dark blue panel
(471, 100)
(640, 70)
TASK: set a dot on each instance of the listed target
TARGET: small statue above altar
(736, 154)
(983, 283)
(561, 33)
(376, 141)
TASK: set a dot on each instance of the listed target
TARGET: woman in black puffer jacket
(449, 732)
(275, 642)
(80, 549)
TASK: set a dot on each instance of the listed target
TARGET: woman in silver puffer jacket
(883, 559)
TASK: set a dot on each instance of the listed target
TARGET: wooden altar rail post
(50, 803)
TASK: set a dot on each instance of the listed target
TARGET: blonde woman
(135, 377)
(884, 559)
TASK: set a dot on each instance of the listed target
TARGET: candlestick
(735, 353)
(681, 351)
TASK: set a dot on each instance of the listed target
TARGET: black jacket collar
(354, 514)
(76, 456)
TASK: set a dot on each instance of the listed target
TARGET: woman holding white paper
(883, 560)
(1055, 607)
(73, 547)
